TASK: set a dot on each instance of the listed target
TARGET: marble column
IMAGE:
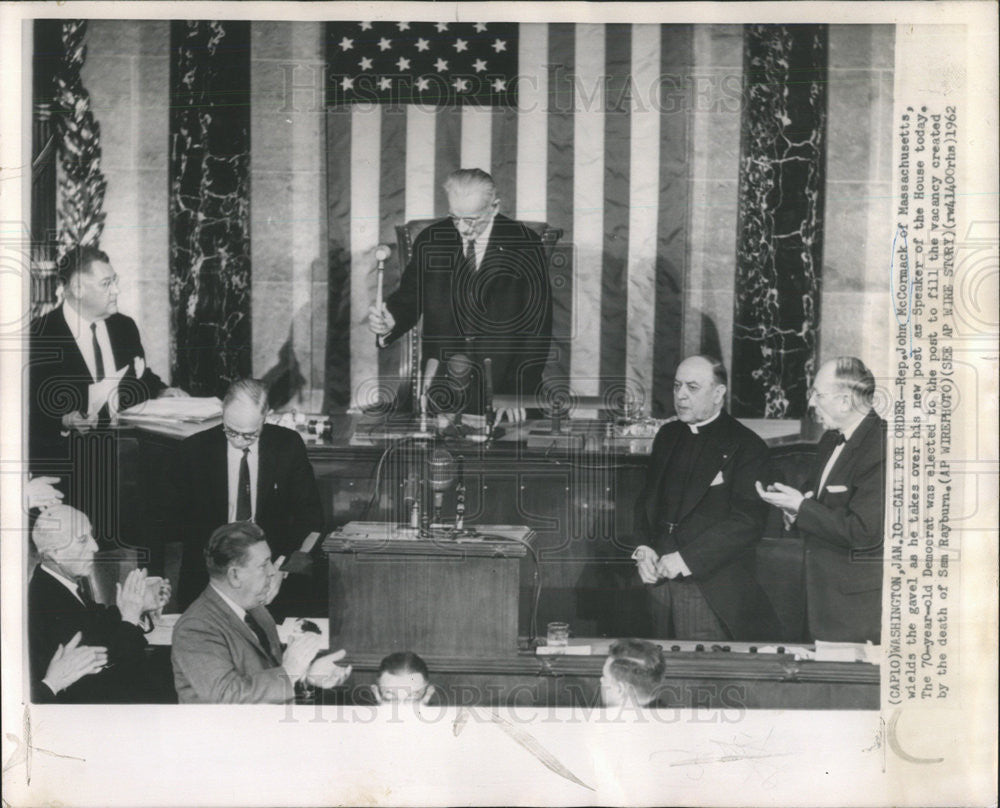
(209, 176)
(780, 229)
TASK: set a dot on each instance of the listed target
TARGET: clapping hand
(274, 585)
(156, 594)
(130, 596)
(299, 654)
(71, 662)
(40, 492)
(325, 673)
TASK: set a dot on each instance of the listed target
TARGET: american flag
(588, 138)
(442, 63)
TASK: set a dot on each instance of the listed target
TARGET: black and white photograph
(478, 403)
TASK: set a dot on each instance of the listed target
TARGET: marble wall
(288, 216)
(127, 74)
(210, 278)
(854, 308)
(780, 231)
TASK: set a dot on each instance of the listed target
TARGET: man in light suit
(81, 342)
(225, 647)
(64, 621)
(246, 470)
(841, 514)
(699, 520)
(480, 282)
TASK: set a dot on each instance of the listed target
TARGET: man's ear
(719, 394)
(376, 693)
(428, 694)
(233, 577)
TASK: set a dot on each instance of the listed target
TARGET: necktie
(83, 590)
(98, 356)
(243, 490)
(256, 628)
(470, 254)
(840, 439)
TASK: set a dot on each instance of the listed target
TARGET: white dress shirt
(480, 243)
(233, 458)
(240, 612)
(835, 455)
(79, 327)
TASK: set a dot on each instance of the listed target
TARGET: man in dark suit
(699, 519)
(81, 342)
(225, 647)
(479, 280)
(246, 470)
(62, 614)
(841, 514)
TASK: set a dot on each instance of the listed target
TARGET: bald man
(479, 281)
(699, 519)
(61, 606)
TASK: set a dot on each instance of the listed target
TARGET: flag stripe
(338, 339)
(614, 275)
(392, 211)
(477, 138)
(588, 207)
(643, 207)
(366, 142)
(504, 158)
(533, 104)
(447, 154)
(673, 224)
(421, 129)
(559, 194)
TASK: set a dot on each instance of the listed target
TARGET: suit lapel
(847, 454)
(73, 361)
(670, 438)
(713, 458)
(226, 614)
(218, 477)
(265, 471)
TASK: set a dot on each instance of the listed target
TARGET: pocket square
(719, 480)
(836, 489)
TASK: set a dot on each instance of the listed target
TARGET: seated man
(246, 470)
(841, 515)
(402, 678)
(62, 613)
(699, 519)
(226, 647)
(632, 673)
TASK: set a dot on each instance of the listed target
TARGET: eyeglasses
(813, 392)
(472, 221)
(232, 433)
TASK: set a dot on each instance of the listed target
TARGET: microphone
(423, 386)
(441, 474)
(488, 404)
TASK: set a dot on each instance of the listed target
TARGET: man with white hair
(62, 614)
(841, 513)
(480, 282)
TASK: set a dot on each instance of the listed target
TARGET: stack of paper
(171, 410)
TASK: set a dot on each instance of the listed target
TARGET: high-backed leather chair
(406, 234)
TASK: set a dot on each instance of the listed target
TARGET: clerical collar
(696, 428)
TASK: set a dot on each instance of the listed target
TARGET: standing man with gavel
(479, 281)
